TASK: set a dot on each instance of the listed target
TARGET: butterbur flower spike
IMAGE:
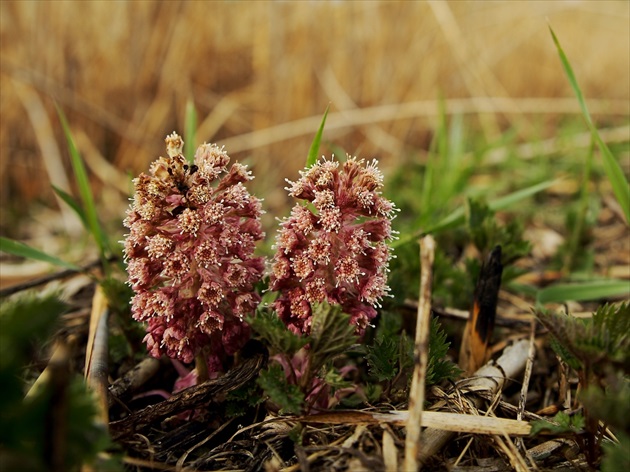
(192, 231)
(334, 248)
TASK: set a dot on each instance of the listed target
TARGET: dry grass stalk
(529, 366)
(390, 451)
(129, 383)
(490, 378)
(439, 420)
(506, 446)
(56, 378)
(51, 156)
(421, 356)
(97, 352)
(243, 81)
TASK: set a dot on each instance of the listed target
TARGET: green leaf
(458, 216)
(287, 396)
(268, 327)
(617, 179)
(190, 131)
(562, 423)
(481, 224)
(72, 203)
(86, 436)
(565, 331)
(313, 152)
(565, 354)
(610, 405)
(25, 321)
(239, 401)
(382, 358)
(596, 345)
(439, 367)
(616, 455)
(85, 191)
(613, 170)
(23, 250)
(334, 378)
(392, 350)
(611, 331)
(592, 290)
(331, 333)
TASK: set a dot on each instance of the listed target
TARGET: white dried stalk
(421, 356)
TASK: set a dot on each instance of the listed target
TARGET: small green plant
(598, 350)
(55, 426)
(390, 357)
(561, 423)
(303, 378)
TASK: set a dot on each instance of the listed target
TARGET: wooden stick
(421, 356)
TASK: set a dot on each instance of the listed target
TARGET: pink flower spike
(335, 247)
(192, 232)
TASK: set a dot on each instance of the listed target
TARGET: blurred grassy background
(262, 73)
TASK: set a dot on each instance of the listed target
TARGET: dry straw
(124, 70)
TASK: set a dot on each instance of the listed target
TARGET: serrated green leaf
(24, 319)
(268, 327)
(565, 354)
(383, 359)
(313, 152)
(565, 330)
(287, 396)
(559, 424)
(613, 170)
(595, 345)
(439, 367)
(190, 131)
(592, 290)
(17, 248)
(331, 333)
(85, 190)
(72, 203)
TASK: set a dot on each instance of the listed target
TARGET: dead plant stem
(421, 356)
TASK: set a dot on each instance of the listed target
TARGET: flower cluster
(189, 252)
(334, 248)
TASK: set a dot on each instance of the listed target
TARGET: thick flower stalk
(189, 252)
(334, 248)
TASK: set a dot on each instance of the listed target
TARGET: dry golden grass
(262, 73)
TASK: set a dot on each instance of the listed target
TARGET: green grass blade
(72, 203)
(572, 80)
(612, 168)
(314, 150)
(432, 174)
(85, 190)
(190, 131)
(17, 248)
(573, 241)
(458, 216)
(515, 197)
(593, 290)
(618, 181)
